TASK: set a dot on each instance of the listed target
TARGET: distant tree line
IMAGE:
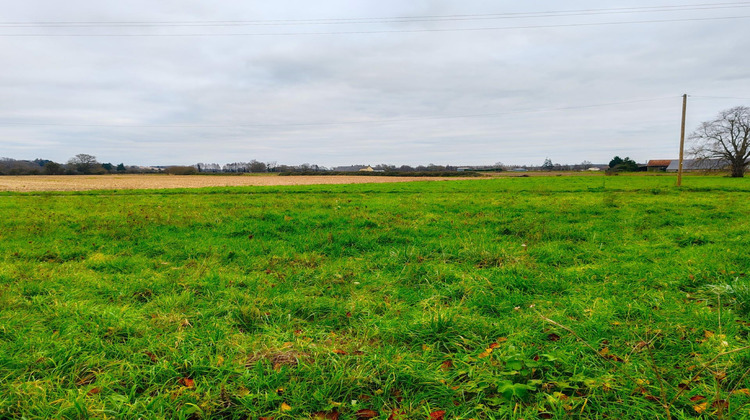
(255, 166)
(80, 164)
(85, 164)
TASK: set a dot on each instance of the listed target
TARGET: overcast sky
(349, 82)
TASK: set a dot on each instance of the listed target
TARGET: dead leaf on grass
(641, 345)
(699, 408)
(697, 398)
(553, 337)
(285, 407)
(366, 414)
(187, 382)
(437, 415)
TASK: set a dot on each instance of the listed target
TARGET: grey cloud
(262, 90)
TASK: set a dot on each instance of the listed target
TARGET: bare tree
(84, 164)
(727, 137)
(256, 166)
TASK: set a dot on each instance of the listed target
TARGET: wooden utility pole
(682, 140)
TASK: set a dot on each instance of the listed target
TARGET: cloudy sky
(336, 82)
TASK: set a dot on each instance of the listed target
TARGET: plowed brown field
(134, 182)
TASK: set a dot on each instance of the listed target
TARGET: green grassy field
(520, 298)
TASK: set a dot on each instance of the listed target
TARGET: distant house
(367, 169)
(694, 165)
(353, 168)
(658, 165)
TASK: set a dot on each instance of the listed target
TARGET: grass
(579, 297)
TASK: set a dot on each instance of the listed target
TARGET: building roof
(698, 165)
(658, 162)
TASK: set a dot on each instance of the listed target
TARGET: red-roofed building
(658, 165)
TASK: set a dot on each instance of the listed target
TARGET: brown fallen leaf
(152, 356)
(94, 391)
(187, 382)
(699, 408)
(446, 365)
(322, 415)
(340, 352)
(743, 391)
(553, 337)
(696, 398)
(285, 407)
(437, 415)
(366, 414)
(501, 340)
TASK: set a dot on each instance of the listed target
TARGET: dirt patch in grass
(136, 182)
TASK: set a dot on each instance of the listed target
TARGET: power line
(332, 123)
(349, 21)
(718, 97)
(570, 25)
(394, 19)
